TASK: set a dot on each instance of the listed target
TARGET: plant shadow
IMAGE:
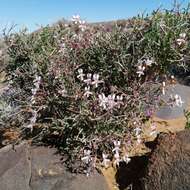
(129, 175)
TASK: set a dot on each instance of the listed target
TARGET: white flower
(82, 25)
(34, 91)
(182, 35)
(180, 41)
(103, 100)
(163, 88)
(117, 143)
(96, 80)
(149, 62)
(87, 174)
(36, 82)
(111, 101)
(105, 161)
(88, 81)
(137, 131)
(178, 100)
(119, 100)
(82, 22)
(116, 149)
(87, 156)
(81, 75)
(87, 91)
(140, 70)
(117, 158)
(117, 146)
(126, 158)
(107, 102)
(75, 19)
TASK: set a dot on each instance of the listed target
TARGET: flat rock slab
(169, 165)
(40, 168)
(168, 112)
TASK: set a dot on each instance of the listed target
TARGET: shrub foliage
(80, 86)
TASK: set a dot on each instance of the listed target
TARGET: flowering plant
(84, 88)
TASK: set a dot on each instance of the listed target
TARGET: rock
(169, 125)
(14, 169)
(169, 165)
(167, 112)
(40, 168)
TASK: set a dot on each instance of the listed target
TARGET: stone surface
(14, 169)
(169, 165)
(40, 168)
(168, 112)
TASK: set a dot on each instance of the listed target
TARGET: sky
(35, 13)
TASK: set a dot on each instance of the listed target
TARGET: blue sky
(32, 13)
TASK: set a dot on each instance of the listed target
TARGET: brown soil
(8, 135)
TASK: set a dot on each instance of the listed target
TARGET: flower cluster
(110, 101)
(117, 155)
(93, 80)
(143, 64)
(88, 160)
(140, 70)
(33, 119)
(36, 82)
(87, 156)
(116, 150)
(106, 160)
(176, 100)
(90, 80)
(77, 21)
